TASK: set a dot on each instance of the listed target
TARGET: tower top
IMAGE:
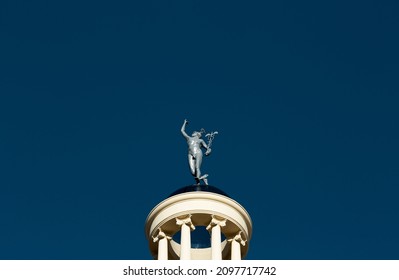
(224, 227)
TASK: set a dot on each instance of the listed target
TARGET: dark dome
(199, 188)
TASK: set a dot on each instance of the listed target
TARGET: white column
(185, 242)
(236, 243)
(162, 240)
(216, 232)
(235, 250)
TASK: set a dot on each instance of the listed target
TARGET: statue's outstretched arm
(208, 150)
(183, 129)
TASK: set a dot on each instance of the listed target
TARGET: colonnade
(215, 229)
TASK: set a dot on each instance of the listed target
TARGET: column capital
(159, 234)
(239, 238)
(216, 221)
(185, 220)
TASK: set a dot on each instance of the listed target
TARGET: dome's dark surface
(199, 188)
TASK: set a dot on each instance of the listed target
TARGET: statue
(195, 143)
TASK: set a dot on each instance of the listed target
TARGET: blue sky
(304, 96)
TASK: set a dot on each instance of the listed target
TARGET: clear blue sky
(304, 94)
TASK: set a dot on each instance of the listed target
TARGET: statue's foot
(204, 178)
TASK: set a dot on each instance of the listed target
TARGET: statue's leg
(198, 161)
(191, 162)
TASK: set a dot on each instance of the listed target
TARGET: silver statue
(195, 143)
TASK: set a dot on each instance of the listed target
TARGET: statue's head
(196, 133)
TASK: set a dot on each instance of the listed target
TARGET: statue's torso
(194, 145)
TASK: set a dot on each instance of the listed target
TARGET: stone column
(236, 243)
(185, 242)
(216, 232)
(162, 240)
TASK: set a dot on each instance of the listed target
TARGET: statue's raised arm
(183, 129)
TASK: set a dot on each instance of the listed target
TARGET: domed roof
(199, 188)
